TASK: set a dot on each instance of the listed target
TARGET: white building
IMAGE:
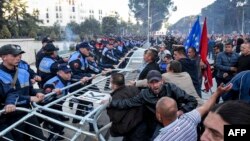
(65, 11)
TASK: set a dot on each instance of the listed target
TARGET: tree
(225, 16)
(74, 27)
(5, 33)
(90, 27)
(109, 25)
(159, 10)
(14, 11)
(53, 35)
(32, 34)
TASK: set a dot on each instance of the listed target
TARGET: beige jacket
(182, 80)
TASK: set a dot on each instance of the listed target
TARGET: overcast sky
(188, 7)
(184, 8)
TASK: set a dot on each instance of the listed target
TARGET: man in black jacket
(149, 97)
(150, 63)
(188, 66)
(125, 122)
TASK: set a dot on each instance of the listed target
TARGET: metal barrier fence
(82, 105)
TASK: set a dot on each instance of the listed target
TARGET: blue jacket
(24, 65)
(47, 69)
(108, 57)
(57, 82)
(19, 94)
(79, 64)
(224, 62)
(241, 87)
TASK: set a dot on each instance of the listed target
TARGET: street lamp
(148, 21)
(242, 4)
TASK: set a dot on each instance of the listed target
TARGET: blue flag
(194, 37)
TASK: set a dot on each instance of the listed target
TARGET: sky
(187, 8)
(184, 8)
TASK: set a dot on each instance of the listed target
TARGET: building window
(47, 15)
(47, 21)
(74, 17)
(47, 9)
(57, 15)
(100, 12)
(73, 9)
(60, 15)
(73, 2)
(60, 8)
(56, 8)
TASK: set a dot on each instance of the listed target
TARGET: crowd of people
(163, 103)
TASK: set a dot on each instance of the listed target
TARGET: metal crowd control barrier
(83, 106)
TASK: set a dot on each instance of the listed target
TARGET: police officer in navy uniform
(16, 90)
(40, 54)
(62, 79)
(78, 60)
(108, 55)
(24, 65)
(49, 64)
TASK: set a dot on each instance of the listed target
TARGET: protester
(228, 113)
(182, 128)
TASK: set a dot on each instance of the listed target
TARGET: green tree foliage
(5, 33)
(225, 16)
(13, 14)
(159, 10)
(90, 27)
(32, 34)
(109, 25)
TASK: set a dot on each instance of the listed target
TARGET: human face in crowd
(216, 50)
(245, 49)
(111, 85)
(214, 128)
(65, 75)
(191, 53)
(177, 55)
(167, 60)
(11, 60)
(84, 51)
(155, 86)
(110, 46)
(162, 48)
(147, 56)
(229, 49)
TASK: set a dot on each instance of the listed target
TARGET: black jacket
(123, 121)
(149, 67)
(147, 98)
(191, 68)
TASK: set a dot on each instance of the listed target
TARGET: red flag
(207, 73)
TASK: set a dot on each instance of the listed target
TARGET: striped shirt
(182, 129)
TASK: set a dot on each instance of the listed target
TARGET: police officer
(108, 55)
(78, 60)
(49, 64)
(40, 54)
(16, 90)
(24, 65)
(62, 79)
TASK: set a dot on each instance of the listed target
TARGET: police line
(91, 116)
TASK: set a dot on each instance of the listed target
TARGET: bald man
(183, 128)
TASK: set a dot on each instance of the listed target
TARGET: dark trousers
(137, 134)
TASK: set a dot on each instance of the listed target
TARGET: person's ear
(158, 116)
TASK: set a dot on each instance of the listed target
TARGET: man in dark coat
(125, 122)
